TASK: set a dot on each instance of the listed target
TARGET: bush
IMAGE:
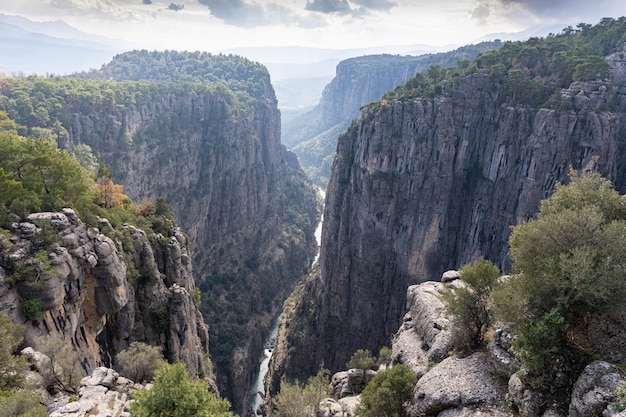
(33, 309)
(23, 403)
(11, 367)
(362, 359)
(296, 400)
(175, 394)
(569, 264)
(63, 371)
(468, 305)
(388, 393)
(139, 362)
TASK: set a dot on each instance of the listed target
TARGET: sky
(214, 25)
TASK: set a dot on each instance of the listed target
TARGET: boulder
(594, 389)
(450, 276)
(458, 383)
(527, 400)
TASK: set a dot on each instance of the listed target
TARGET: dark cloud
(481, 13)
(329, 6)
(384, 5)
(566, 8)
(237, 12)
(250, 14)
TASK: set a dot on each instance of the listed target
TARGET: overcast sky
(213, 25)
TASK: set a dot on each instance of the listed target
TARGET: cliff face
(426, 185)
(98, 296)
(358, 81)
(243, 199)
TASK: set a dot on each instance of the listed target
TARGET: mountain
(51, 47)
(358, 81)
(433, 175)
(203, 131)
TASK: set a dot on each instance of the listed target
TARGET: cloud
(250, 14)
(343, 7)
(384, 5)
(329, 6)
(481, 13)
(93, 8)
(557, 9)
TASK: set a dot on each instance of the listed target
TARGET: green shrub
(569, 264)
(296, 400)
(468, 305)
(22, 403)
(175, 394)
(33, 309)
(362, 359)
(388, 393)
(139, 362)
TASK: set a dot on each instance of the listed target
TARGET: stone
(594, 389)
(450, 275)
(459, 382)
(498, 348)
(527, 400)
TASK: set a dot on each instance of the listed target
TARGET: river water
(258, 386)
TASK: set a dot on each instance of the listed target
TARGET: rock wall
(241, 196)
(425, 185)
(90, 298)
(358, 81)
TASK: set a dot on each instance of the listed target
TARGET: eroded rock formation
(98, 296)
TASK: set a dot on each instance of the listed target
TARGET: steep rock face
(88, 296)
(425, 185)
(358, 81)
(247, 206)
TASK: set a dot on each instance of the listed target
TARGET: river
(258, 386)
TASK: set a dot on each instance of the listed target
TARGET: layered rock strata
(99, 297)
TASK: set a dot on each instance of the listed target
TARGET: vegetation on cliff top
(35, 175)
(237, 73)
(46, 107)
(568, 264)
(175, 394)
(534, 69)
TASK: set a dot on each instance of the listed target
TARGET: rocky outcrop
(460, 383)
(595, 390)
(350, 382)
(104, 393)
(70, 280)
(420, 186)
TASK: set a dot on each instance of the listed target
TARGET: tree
(569, 264)
(139, 362)
(63, 370)
(361, 359)
(11, 367)
(296, 400)
(388, 393)
(175, 394)
(22, 403)
(468, 305)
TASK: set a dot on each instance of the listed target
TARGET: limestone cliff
(213, 151)
(99, 296)
(422, 185)
(358, 81)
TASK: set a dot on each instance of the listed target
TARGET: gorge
(430, 177)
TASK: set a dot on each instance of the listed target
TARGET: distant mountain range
(51, 47)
